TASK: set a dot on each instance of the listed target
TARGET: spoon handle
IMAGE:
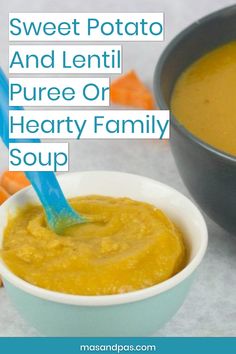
(44, 183)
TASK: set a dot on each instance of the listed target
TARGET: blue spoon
(59, 213)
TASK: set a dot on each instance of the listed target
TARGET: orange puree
(128, 245)
(204, 99)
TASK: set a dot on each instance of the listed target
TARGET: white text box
(93, 124)
(38, 157)
(86, 27)
(65, 59)
(59, 92)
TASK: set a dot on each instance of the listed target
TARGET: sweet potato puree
(204, 98)
(128, 245)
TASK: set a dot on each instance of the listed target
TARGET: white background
(210, 309)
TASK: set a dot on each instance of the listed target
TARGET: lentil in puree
(128, 245)
(204, 98)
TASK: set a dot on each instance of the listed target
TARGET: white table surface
(210, 309)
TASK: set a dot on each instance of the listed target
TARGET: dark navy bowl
(208, 173)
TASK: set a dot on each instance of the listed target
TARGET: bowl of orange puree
(125, 273)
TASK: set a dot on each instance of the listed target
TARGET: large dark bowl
(208, 173)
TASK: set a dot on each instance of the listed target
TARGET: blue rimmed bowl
(138, 313)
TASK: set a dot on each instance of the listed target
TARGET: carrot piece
(128, 90)
(14, 181)
(4, 195)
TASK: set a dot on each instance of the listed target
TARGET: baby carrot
(12, 181)
(128, 90)
(4, 195)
